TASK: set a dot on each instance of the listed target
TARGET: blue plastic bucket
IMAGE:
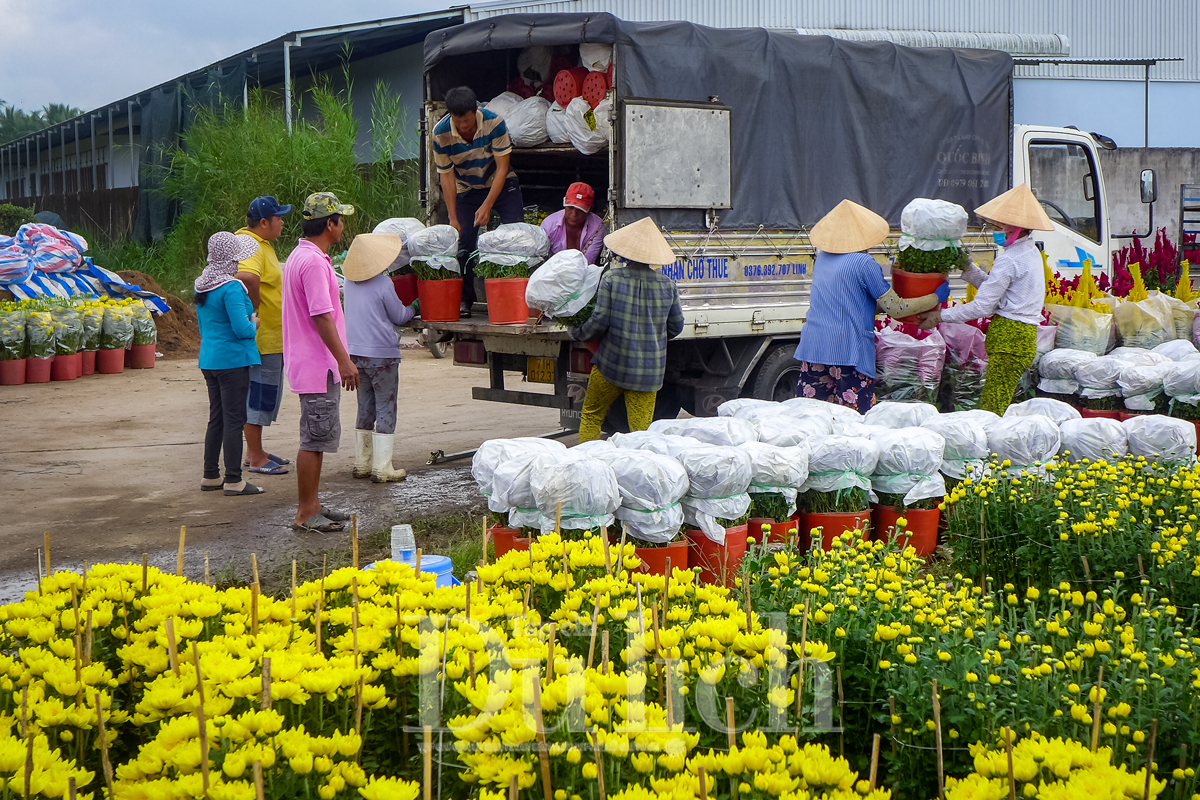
(439, 566)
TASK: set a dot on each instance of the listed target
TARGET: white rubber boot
(362, 453)
(381, 460)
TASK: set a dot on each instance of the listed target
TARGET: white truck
(736, 141)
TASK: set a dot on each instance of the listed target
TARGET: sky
(86, 53)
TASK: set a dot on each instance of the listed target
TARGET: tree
(15, 122)
(58, 113)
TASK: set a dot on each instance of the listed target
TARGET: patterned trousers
(378, 387)
(1011, 347)
(639, 407)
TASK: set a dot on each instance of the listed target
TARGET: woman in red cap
(575, 227)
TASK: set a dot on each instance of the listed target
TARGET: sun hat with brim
(1018, 207)
(849, 228)
(642, 241)
(370, 254)
(225, 251)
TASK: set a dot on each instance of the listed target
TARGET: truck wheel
(777, 374)
(666, 406)
(439, 348)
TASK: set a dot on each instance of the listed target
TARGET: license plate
(540, 370)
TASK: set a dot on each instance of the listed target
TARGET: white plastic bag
(403, 227)
(1163, 439)
(661, 443)
(596, 56)
(592, 448)
(777, 470)
(889, 414)
(1178, 350)
(730, 408)
(800, 406)
(1146, 323)
(843, 427)
(586, 488)
(514, 243)
(1093, 439)
(783, 431)
(1138, 356)
(1142, 386)
(932, 225)
(526, 122)
(1182, 379)
(556, 124)
(512, 490)
(720, 431)
(502, 105)
(841, 462)
(717, 481)
(965, 435)
(1026, 442)
(533, 64)
(1082, 329)
(563, 285)
(589, 129)
(1057, 370)
(1048, 407)
(908, 368)
(651, 487)
(436, 245)
(1097, 377)
(494, 452)
(910, 462)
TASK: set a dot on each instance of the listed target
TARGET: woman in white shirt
(1012, 294)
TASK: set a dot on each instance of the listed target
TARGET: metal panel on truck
(659, 173)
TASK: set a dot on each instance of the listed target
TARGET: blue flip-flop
(270, 468)
(278, 460)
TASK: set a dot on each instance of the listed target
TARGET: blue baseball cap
(263, 207)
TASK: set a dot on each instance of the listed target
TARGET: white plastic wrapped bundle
(1146, 323)
(556, 124)
(777, 470)
(841, 462)
(590, 130)
(403, 227)
(910, 460)
(1178, 350)
(494, 452)
(784, 431)
(563, 285)
(511, 488)
(1026, 442)
(651, 486)
(534, 64)
(1141, 386)
(1181, 381)
(1056, 410)
(721, 431)
(1057, 370)
(586, 488)
(1138, 356)
(502, 105)
(526, 121)
(1093, 439)
(514, 243)
(1162, 438)
(932, 224)
(1082, 329)
(842, 427)
(596, 56)
(718, 478)
(966, 440)
(890, 414)
(803, 405)
(436, 245)
(1097, 377)
(730, 408)
(662, 443)
(591, 448)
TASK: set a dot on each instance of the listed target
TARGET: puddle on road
(436, 491)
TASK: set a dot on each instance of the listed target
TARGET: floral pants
(639, 407)
(378, 387)
(844, 386)
(1011, 347)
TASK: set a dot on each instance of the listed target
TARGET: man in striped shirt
(471, 147)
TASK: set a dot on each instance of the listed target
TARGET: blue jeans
(510, 208)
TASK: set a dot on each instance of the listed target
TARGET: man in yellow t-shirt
(263, 279)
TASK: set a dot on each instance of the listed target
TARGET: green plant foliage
(13, 217)
(581, 316)
(424, 272)
(768, 505)
(487, 269)
(929, 261)
(842, 501)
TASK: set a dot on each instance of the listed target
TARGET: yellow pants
(639, 407)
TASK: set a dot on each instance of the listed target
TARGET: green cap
(324, 204)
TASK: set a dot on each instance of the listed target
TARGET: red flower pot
(915, 284)
(718, 563)
(110, 362)
(503, 538)
(140, 356)
(780, 532)
(12, 373)
(87, 361)
(520, 543)
(506, 301)
(406, 287)
(62, 368)
(440, 300)
(921, 531)
(654, 559)
(1091, 413)
(37, 370)
(833, 525)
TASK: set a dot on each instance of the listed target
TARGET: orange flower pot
(503, 538)
(110, 362)
(654, 559)
(718, 563)
(833, 525)
(506, 301)
(521, 544)
(780, 532)
(915, 284)
(87, 362)
(440, 300)
(37, 370)
(921, 531)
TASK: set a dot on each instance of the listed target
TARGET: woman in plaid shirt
(637, 311)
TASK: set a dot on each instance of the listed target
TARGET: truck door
(1061, 168)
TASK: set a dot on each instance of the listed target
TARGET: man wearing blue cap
(263, 279)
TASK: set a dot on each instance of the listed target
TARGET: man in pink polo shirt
(314, 353)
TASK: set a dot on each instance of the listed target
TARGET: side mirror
(1149, 186)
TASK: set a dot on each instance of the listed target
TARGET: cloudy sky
(90, 52)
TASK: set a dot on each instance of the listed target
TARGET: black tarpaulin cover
(815, 120)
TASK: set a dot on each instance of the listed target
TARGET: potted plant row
(505, 287)
(718, 563)
(439, 289)
(835, 512)
(770, 516)
(914, 524)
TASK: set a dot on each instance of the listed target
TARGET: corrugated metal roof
(1095, 29)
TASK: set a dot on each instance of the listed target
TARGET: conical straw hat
(641, 241)
(1018, 207)
(849, 228)
(370, 254)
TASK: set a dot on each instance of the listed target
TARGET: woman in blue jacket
(227, 350)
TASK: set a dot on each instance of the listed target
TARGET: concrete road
(111, 466)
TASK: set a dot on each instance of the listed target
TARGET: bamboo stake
(607, 557)
(417, 564)
(49, 569)
(104, 762)
(358, 702)
(207, 576)
(1096, 712)
(266, 683)
(1150, 756)
(874, 759)
(730, 722)
(514, 790)
(427, 758)
(258, 781)
(199, 677)
(800, 671)
(179, 558)
(670, 697)
(666, 593)
(621, 549)
(24, 711)
(1141, 569)
(550, 655)
(543, 752)
(485, 538)
(703, 784)
(600, 766)
(1012, 782)
(38, 574)
(71, 787)
(145, 571)
(354, 538)
(354, 618)
(172, 653)
(87, 641)
(558, 520)
(294, 589)
(254, 608)
(937, 732)
(254, 568)
(318, 619)
(604, 650)
(592, 640)
(471, 666)
(467, 612)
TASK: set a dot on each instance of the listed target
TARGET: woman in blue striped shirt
(837, 345)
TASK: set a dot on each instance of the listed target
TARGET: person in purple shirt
(576, 227)
(372, 313)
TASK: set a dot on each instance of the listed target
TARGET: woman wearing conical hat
(637, 311)
(1012, 295)
(837, 345)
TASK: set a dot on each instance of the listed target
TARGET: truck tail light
(581, 360)
(468, 352)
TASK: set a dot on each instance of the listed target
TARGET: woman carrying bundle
(1012, 295)
(837, 346)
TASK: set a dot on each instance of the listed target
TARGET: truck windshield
(1062, 177)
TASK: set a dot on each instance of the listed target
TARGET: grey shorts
(320, 418)
(266, 390)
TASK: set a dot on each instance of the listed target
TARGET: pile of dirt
(178, 331)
